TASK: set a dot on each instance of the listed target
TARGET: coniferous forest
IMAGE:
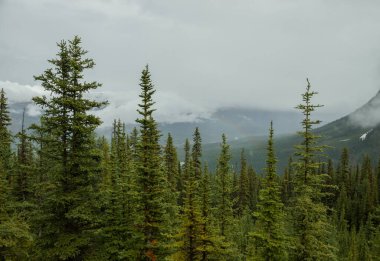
(68, 194)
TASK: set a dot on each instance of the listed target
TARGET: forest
(68, 194)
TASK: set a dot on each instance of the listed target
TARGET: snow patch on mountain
(364, 136)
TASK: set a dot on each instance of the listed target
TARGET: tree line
(67, 194)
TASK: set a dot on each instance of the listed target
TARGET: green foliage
(150, 175)
(243, 189)
(224, 203)
(15, 236)
(171, 164)
(311, 227)
(67, 138)
(269, 235)
(5, 135)
(66, 194)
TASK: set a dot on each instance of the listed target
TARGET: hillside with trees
(68, 194)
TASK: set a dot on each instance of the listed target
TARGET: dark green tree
(150, 175)
(15, 237)
(171, 164)
(310, 222)
(224, 203)
(196, 153)
(5, 135)
(67, 132)
(121, 239)
(24, 166)
(269, 236)
(243, 195)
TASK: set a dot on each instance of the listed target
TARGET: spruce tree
(120, 236)
(5, 135)
(196, 153)
(151, 177)
(269, 236)
(310, 222)
(171, 164)
(191, 218)
(15, 237)
(224, 204)
(207, 233)
(188, 239)
(243, 194)
(254, 188)
(24, 166)
(67, 132)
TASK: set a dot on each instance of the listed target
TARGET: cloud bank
(172, 108)
(204, 54)
(367, 116)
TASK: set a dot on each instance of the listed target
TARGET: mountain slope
(358, 131)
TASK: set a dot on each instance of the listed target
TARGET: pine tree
(269, 237)
(24, 166)
(254, 188)
(189, 237)
(224, 204)
(120, 237)
(191, 220)
(310, 222)
(15, 237)
(196, 153)
(104, 147)
(184, 170)
(5, 135)
(243, 195)
(207, 233)
(67, 132)
(151, 179)
(171, 164)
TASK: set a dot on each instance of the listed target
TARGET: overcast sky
(203, 54)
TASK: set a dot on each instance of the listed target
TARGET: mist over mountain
(368, 115)
(358, 131)
(236, 123)
(246, 128)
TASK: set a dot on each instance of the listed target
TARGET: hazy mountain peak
(368, 115)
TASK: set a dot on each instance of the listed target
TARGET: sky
(204, 55)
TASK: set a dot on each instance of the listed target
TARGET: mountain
(358, 131)
(248, 129)
(236, 123)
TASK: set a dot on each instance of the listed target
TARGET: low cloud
(204, 54)
(367, 116)
(170, 107)
(17, 92)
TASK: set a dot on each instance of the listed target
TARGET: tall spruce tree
(269, 236)
(310, 222)
(151, 177)
(67, 131)
(5, 135)
(224, 204)
(196, 153)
